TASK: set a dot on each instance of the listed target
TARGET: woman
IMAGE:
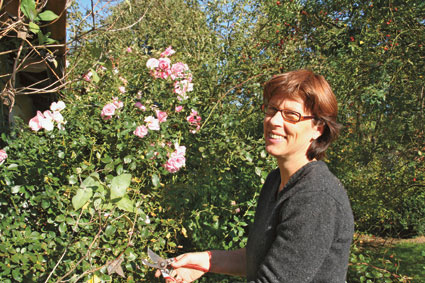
(303, 224)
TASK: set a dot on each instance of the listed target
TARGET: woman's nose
(276, 119)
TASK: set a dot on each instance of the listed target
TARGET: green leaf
(155, 180)
(126, 204)
(62, 228)
(119, 185)
(15, 189)
(34, 27)
(80, 199)
(28, 8)
(90, 182)
(47, 16)
(95, 77)
(73, 179)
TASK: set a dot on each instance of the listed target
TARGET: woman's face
(288, 140)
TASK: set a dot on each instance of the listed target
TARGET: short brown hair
(318, 99)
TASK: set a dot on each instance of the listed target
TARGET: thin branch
(87, 253)
(227, 92)
(66, 248)
(133, 24)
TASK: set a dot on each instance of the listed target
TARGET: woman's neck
(288, 167)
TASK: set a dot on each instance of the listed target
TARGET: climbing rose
(140, 106)
(57, 106)
(47, 122)
(162, 116)
(164, 63)
(122, 89)
(118, 104)
(152, 123)
(35, 122)
(176, 159)
(87, 76)
(108, 111)
(179, 108)
(152, 63)
(178, 70)
(3, 156)
(141, 131)
(168, 52)
(181, 87)
(194, 120)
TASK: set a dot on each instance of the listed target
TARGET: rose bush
(98, 184)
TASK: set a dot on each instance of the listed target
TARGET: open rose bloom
(176, 159)
(49, 118)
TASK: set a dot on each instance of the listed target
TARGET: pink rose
(152, 123)
(162, 116)
(176, 160)
(178, 70)
(57, 106)
(152, 63)
(194, 120)
(141, 131)
(122, 89)
(140, 106)
(108, 111)
(164, 63)
(124, 81)
(181, 87)
(47, 121)
(118, 103)
(129, 50)
(57, 117)
(87, 76)
(34, 123)
(168, 52)
(180, 150)
(3, 156)
(175, 163)
(179, 108)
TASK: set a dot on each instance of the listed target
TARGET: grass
(403, 258)
(398, 257)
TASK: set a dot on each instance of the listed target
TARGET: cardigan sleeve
(304, 235)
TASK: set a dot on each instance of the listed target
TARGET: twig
(227, 92)
(66, 248)
(87, 253)
(133, 24)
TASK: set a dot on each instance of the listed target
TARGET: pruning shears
(164, 265)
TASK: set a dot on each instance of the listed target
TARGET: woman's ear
(318, 128)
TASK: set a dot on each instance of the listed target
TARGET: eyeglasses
(287, 115)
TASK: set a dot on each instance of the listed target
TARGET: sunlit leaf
(28, 8)
(119, 185)
(126, 204)
(81, 198)
(34, 27)
(47, 16)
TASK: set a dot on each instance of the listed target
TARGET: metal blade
(154, 265)
(154, 257)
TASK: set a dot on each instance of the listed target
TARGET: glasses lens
(291, 115)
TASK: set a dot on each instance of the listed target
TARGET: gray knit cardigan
(302, 234)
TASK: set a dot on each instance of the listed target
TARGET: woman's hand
(190, 266)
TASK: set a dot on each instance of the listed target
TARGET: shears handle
(167, 276)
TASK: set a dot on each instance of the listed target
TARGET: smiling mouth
(275, 137)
